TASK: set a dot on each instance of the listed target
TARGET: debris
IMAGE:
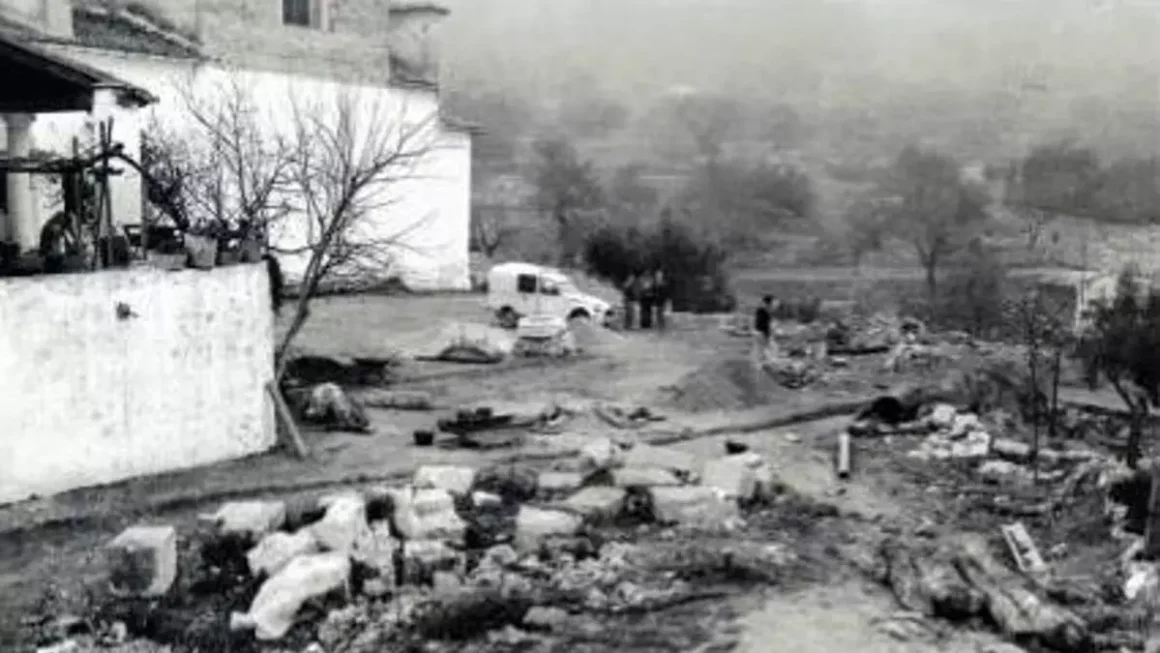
(377, 550)
(1004, 471)
(535, 524)
(602, 454)
(552, 483)
(273, 609)
(843, 462)
(143, 561)
(626, 417)
(695, 505)
(422, 558)
(732, 477)
(625, 477)
(734, 447)
(598, 503)
(330, 406)
(397, 399)
(426, 515)
(511, 481)
(344, 525)
(545, 618)
(276, 549)
(457, 480)
(1023, 549)
(249, 519)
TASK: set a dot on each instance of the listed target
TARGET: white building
(280, 52)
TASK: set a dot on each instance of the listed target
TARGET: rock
(943, 416)
(501, 555)
(143, 561)
(446, 582)
(762, 472)
(330, 405)
(626, 477)
(598, 503)
(486, 500)
(684, 465)
(1011, 449)
(545, 618)
(274, 608)
(377, 587)
(426, 515)
(964, 424)
(1143, 582)
(422, 558)
(601, 454)
(1003, 471)
(697, 504)
(456, 480)
(343, 525)
(513, 482)
(251, 519)
(732, 476)
(535, 524)
(1002, 647)
(276, 549)
(553, 482)
(377, 551)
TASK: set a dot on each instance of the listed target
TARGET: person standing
(661, 290)
(647, 300)
(762, 323)
(630, 293)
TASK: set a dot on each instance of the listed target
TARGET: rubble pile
(459, 553)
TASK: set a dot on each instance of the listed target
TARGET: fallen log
(1019, 612)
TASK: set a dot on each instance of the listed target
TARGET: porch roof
(38, 81)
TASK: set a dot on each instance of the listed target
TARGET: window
(304, 13)
(526, 283)
(549, 287)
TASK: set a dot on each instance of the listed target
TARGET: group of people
(645, 294)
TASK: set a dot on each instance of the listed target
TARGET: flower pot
(423, 438)
(167, 261)
(231, 257)
(251, 251)
(202, 251)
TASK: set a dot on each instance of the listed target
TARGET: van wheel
(579, 314)
(507, 318)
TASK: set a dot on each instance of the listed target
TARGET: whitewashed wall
(432, 210)
(89, 398)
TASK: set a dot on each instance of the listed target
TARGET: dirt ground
(54, 542)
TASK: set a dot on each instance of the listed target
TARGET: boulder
(455, 479)
(249, 519)
(423, 558)
(344, 525)
(598, 503)
(143, 561)
(626, 477)
(276, 549)
(274, 608)
(536, 524)
(691, 504)
(426, 515)
(601, 454)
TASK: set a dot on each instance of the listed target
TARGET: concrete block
(274, 608)
(426, 515)
(598, 503)
(535, 524)
(276, 550)
(454, 479)
(143, 561)
(643, 477)
(343, 525)
(378, 550)
(252, 519)
(734, 478)
(552, 483)
(762, 472)
(423, 558)
(692, 504)
(601, 454)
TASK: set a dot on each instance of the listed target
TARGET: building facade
(277, 50)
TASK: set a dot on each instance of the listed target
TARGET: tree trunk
(931, 266)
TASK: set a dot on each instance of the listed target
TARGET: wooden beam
(288, 428)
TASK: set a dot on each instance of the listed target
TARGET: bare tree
(319, 186)
(491, 227)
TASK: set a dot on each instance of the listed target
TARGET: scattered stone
(626, 477)
(143, 561)
(1004, 472)
(698, 505)
(513, 482)
(1009, 449)
(545, 618)
(426, 515)
(602, 454)
(344, 525)
(273, 610)
(535, 524)
(486, 500)
(276, 549)
(766, 480)
(377, 551)
(943, 416)
(732, 476)
(553, 482)
(454, 479)
(376, 588)
(793, 437)
(252, 519)
(598, 503)
(422, 558)
(501, 555)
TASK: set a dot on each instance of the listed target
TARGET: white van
(515, 290)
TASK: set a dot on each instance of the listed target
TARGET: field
(54, 542)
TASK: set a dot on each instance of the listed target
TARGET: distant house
(320, 49)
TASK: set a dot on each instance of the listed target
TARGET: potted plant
(201, 243)
(168, 254)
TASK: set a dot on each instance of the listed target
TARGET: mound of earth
(726, 384)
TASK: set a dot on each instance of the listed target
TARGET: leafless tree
(321, 185)
(491, 227)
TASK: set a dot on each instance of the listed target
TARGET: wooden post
(286, 422)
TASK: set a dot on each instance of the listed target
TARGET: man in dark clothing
(762, 320)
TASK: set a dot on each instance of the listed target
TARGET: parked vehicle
(516, 290)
